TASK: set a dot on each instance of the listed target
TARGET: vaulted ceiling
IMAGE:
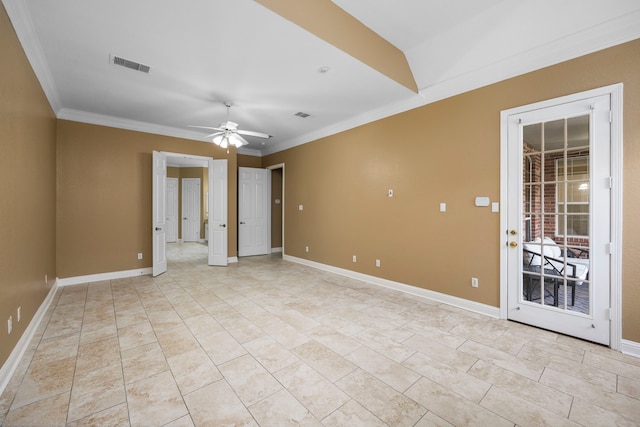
(342, 62)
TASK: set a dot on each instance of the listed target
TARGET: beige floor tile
(228, 410)
(135, 335)
(352, 414)
(94, 391)
(48, 412)
(131, 316)
(441, 352)
(57, 348)
(282, 409)
(164, 319)
(529, 369)
(193, 370)
(334, 340)
(452, 407)
(285, 334)
(311, 389)
(98, 354)
(461, 382)
(45, 379)
(142, 362)
(221, 347)
(203, 325)
(270, 353)
(176, 340)
(249, 379)
(185, 421)
(155, 401)
(629, 387)
(542, 395)
(588, 414)
(614, 366)
(98, 331)
(522, 412)
(432, 420)
(115, 416)
(380, 399)
(398, 376)
(324, 360)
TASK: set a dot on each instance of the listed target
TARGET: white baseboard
(631, 348)
(67, 281)
(276, 250)
(466, 304)
(232, 259)
(11, 364)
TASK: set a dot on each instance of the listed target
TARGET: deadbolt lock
(513, 232)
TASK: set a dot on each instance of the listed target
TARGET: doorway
(277, 208)
(217, 207)
(561, 215)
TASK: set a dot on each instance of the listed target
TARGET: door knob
(241, 222)
(513, 244)
(223, 225)
(158, 229)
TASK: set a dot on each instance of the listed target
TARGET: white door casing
(158, 223)
(191, 209)
(604, 226)
(218, 212)
(254, 211)
(172, 210)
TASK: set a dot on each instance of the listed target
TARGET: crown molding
(120, 123)
(20, 17)
(607, 34)
(250, 152)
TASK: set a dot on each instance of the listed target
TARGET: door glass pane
(556, 214)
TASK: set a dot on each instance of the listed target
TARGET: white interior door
(172, 210)
(559, 217)
(254, 211)
(159, 214)
(218, 212)
(191, 209)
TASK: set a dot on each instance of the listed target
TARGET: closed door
(254, 211)
(172, 210)
(559, 218)
(190, 209)
(159, 212)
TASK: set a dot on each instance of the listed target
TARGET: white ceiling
(205, 52)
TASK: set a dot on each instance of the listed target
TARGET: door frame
(281, 166)
(615, 92)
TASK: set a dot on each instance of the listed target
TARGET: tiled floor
(270, 343)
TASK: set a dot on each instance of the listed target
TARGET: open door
(218, 230)
(159, 212)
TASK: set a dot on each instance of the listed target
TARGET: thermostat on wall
(482, 201)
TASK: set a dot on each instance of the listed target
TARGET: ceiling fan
(227, 133)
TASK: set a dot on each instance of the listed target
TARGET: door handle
(241, 222)
(158, 229)
(184, 219)
(223, 225)
(513, 244)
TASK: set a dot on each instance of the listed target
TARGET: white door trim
(616, 92)
(281, 166)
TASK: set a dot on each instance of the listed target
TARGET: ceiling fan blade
(214, 135)
(256, 134)
(206, 127)
(244, 141)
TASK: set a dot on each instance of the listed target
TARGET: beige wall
(27, 189)
(104, 196)
(245, 161)
(447, 151)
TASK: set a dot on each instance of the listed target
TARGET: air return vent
(301, 114)
(116, 60)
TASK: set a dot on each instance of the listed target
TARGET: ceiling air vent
(130, 64)
(301, 114)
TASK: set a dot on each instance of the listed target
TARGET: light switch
(495, 207)
(443, 207)
(300, 207)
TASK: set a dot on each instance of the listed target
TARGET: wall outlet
(443, 207)
(390, 192)
(355, 258)
(9, 325)
(377, 263)
(306, 248)
(139, 255)
(474, 282)
(19, 314)
(300, 207)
